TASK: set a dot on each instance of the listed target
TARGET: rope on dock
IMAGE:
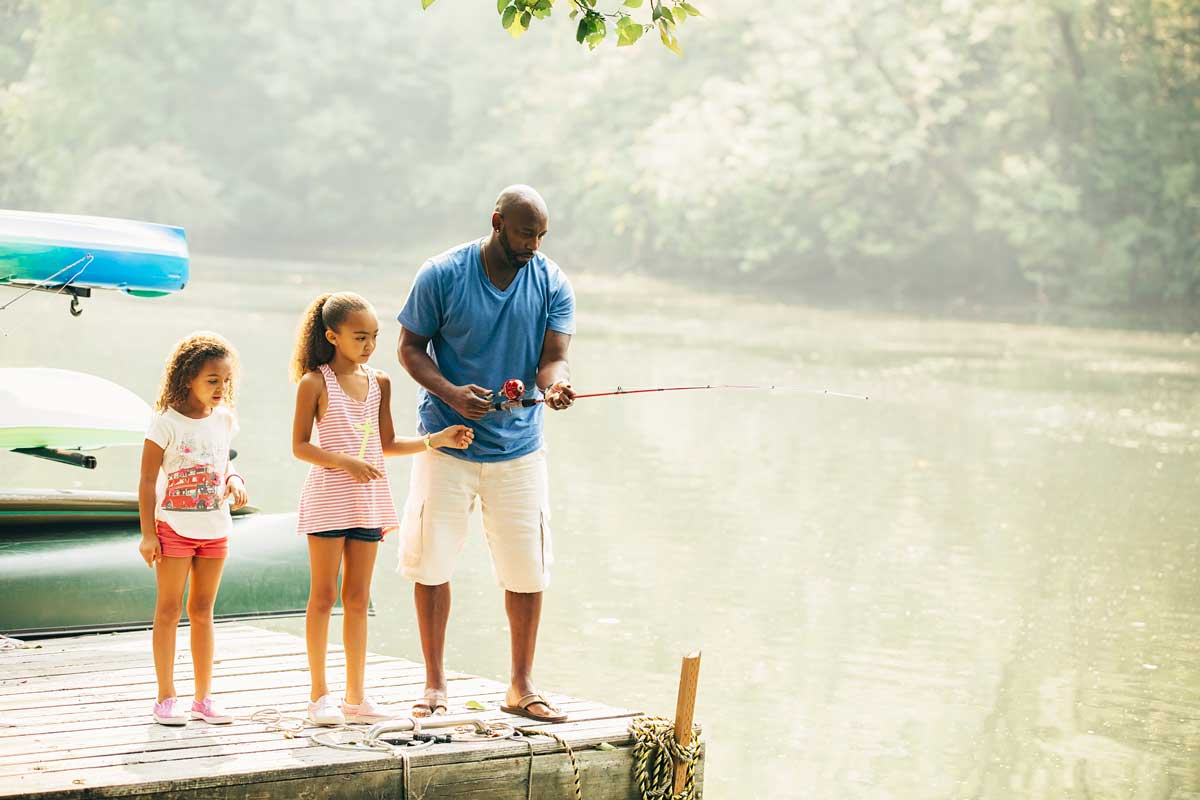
(655, 752)
(565, 746)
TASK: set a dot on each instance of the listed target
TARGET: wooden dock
(75, 723)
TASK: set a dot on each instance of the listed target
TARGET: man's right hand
(471, 401)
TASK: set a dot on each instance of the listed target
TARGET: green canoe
(67, 578)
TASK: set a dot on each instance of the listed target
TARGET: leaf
(667, 15)
(526, 18)
(690, 9)
(584, 28)
(670, 42)
(628, 32)
(599, 29)
(500, 5)
(506, 20)
(633, 3)
(605, 746)
(426, 4)
(475, 705)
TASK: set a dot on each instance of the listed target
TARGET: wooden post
(685, 707)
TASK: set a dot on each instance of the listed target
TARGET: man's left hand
(560, 395)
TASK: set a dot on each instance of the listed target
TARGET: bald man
(478, 314)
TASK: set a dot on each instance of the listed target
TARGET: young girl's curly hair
(184, 364)
(325, 313)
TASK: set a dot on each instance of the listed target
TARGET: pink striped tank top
(330, 499)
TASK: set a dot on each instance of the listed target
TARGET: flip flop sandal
(430, 703)
(521, 709)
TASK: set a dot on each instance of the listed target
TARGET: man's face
(520, 232)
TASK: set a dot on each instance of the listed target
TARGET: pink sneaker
(168, 712)
(367, 711)
(210, 712)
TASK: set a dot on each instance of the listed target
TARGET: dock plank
(74, 723)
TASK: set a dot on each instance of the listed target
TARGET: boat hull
(140, 258)
(68, 578)
(64, 409)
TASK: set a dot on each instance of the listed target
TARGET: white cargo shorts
(514, 496)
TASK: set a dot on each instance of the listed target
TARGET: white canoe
(67, 410)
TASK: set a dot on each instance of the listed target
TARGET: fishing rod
(511, 395)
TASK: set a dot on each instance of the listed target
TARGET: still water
(980, 583)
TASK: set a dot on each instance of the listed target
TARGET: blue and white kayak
(50, 251)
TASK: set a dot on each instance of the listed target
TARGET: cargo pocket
(547, 548)
(412, 535)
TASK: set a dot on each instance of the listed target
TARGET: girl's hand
(150, 551)
(457, 436)
(361, 471)
(235, 487)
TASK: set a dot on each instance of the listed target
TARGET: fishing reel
(511, 396)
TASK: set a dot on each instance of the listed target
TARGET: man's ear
(496, 220)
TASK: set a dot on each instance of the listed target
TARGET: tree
(593, 25)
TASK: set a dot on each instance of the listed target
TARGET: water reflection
(979, 584)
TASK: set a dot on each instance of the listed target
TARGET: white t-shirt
(192, 482)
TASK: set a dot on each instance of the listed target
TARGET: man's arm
(554, 372)
(469, 400)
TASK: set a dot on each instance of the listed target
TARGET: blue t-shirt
(479, 334)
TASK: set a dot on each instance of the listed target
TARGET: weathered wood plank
(289, 761)
(131, 677)
(292, 701)
(59, 753)
(606, 776)
(239, 682)
(255, 745)
(82, 663)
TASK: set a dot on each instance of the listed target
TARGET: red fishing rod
(513, 391)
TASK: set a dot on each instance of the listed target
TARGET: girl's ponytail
(325, 313)
(312, 348)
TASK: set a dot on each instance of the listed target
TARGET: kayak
(42, 407)
(65, 579)
(55, 250)
(28, 507)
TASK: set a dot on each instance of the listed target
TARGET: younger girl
(184, 496)
(346, 503)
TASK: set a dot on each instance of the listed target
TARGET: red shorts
(175, 546)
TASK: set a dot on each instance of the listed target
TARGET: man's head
(519, 222)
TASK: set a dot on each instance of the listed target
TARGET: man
(477, 315)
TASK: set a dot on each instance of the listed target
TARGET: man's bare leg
(433, 614)
(524, 613)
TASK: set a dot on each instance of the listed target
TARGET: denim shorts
(357, 534)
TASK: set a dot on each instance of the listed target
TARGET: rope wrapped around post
(655, 754)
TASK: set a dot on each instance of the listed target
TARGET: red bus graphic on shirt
(192, 489)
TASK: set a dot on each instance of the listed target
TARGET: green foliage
(592, 26)
(917, 152)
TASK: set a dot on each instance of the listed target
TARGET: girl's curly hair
(184, 364)
(325, 313)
